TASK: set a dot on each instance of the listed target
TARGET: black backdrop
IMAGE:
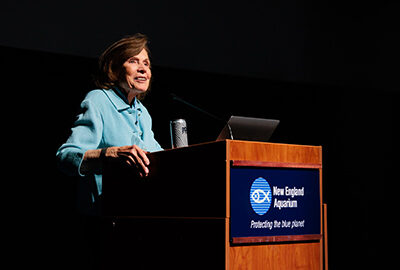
(330, 76)
(341, 42)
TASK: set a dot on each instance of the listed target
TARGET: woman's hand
(133, 155)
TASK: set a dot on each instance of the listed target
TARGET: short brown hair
(112, 59)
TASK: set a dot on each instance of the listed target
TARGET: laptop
(248, 129)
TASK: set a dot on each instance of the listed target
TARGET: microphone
(198, 109)
(179, 99)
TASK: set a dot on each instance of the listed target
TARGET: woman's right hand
(133, 155)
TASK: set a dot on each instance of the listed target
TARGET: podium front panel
(270, 204)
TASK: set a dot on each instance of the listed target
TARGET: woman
(113, 123)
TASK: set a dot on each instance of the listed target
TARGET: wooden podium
(179, 217)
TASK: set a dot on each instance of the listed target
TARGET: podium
(219, 205)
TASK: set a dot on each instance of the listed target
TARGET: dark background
(328, 71)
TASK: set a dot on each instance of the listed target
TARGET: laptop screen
(248, 129)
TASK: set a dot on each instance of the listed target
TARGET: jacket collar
(119, 100)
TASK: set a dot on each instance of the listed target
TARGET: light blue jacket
(106, 119)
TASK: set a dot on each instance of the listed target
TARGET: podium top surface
(236, 150)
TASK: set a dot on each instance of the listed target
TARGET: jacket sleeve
(86, 134)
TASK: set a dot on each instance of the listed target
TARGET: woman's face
(136, 73)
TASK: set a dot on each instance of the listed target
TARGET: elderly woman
(113, 123)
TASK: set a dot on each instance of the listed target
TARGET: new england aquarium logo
(260, 196)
